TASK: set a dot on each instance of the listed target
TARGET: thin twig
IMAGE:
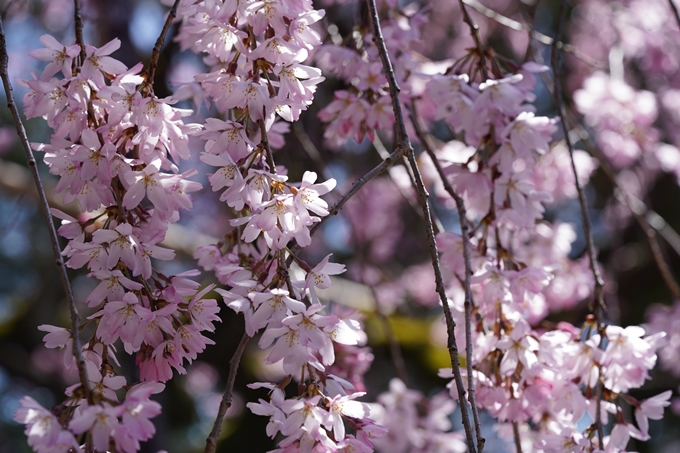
(404, 144)
(264, 141)
(537, 35)
(405, 192)
(78, 20)
(156, 53)
(465, 235)
(518, 439)
(649, 220)
(474, 31)
(227, 397)
(395, 350)
(311, 149)
(450, 322)
(358, 184)
(598, 295)
(45, 210)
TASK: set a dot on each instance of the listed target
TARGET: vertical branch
(45, 210)
(450, 322)
(78, 19)
(598, 295)
(264, 141)
(402, 142)
(650, 221)
(465, 235)
(227, 397)
(401, 135)
(518, 438)
(642, 216)
(474, 31)
(156, 52)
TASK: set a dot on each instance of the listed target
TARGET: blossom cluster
(520, 264)
(115, 148)
(255, 54)
(521, 270)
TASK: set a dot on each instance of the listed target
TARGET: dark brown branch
(156, 53)
(649, 220)
(403, 144)
(465, 236)
(383, 153)
(474, 31)
(518, 438)
(439, 282)
(538, 36)
(358, 184)
(653, 241)
(264, 141)
(45, 210)
(227, 397)
(78, 20)
(401, 138)
(598, 296)
(310, 149)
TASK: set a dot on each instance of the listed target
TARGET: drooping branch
(264, 141)
(649, 220)
(356, 186)
(310, 149)
(474, 31)
(517, 437)
(45, 210)
(465, 236)
(78, 20)
(537, 35)
(598, 296)
(403, 144)
(156, 52)
(227, 397)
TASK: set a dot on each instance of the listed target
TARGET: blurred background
(378, 236)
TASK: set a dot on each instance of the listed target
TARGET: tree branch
(403, 143)
(358, 184)
(465, 235)
(156, 53)
(45, 210)
(598, 293)
(474, 31)
(537, 35)
(518, 439)
(78, 20)
(227, 397)
(650, 221)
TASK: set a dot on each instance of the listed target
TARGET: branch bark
(403, 144)
(45, 210)
(537, 35)
(465, 235)
(227, 397)
(598, 293)
(156, 52)
(78, 21)
(474, 31)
